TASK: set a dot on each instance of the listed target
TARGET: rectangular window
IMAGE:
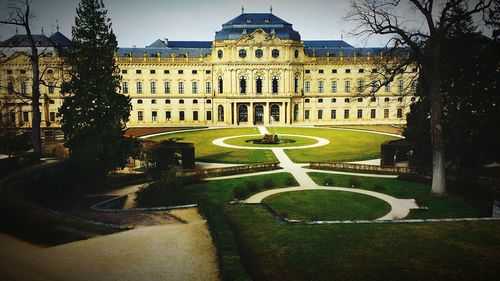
(181, 88)
(387, 88)
(168, 115)
(125, 87)
(334, 71)
(360, 113)
(10, 87)
(52, 117)
(153, 87)
(320, 114)
(152, 71)
(24, 88)
(195, 115)
(400, 86)
(400, 113)
(207, 72)
(166, 71)
(180, 71)
(308, 71)
(124, 71)
(361, 70)
(208, 87)
(12, 117)
(321, 87)
(140, 115)
(414, 86)
(51, 87)
(320, 71)
(194, 87)
(194, 71)
(139, 87)
(373, 113)
(181, 115)
(167, 87)
(308, 86)
(26, 116)
(209, 115)
(361, 86)
(306, 114)
(154, 116)
(138, 71)
(347, 71)
(347, 86)
(333, 114)
(346, 113)
(334, 86)
(386, 113)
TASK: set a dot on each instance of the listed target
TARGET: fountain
(272, 137)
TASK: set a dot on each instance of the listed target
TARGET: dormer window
(249, 20)
(219, 54)
(266, 20)
(273, 31)
(242, 53)
(244, 31)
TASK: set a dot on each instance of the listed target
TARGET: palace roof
(21, 40)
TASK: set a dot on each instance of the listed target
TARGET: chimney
(165, 40)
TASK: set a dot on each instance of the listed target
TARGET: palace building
(257, 70)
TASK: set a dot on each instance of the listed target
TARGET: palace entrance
(259, 114)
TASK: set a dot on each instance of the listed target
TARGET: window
(373, 113)
(22, 71)
(258, 85)
(208, 71)
(334, 71)
(219, 54)
(259, 53)
(361, 70)
(400, 99)
(360, 99)
(275, 53)
(124, 71)
(413, 86)
(308, 86)
(243, 85)
(347, 71)
(52, 117)
(12, 117)
(181, 115)
(306, 101)
(195, 101)
(334, 100)
(242, 53)
(321, 71)
(9, 71)
(346, 100)
(124, 87)
(166, 71)
(413, 99)
(194, 87)
(10, 87)
(26, 116)
(220, 85)
(140, 115)
(153, 101)
(400, 113)
(168, 115)
(333, 114)
(306, 114)
(52, 102)
(296, 54)
(181, 101)
(24, 88)
(308, 71)
(167, 87)
(154, 116)
(361, 86)
(139, 87)
(386, 99)
(320, 114)
(387, 88)
(374, 70)
(220, 113)
(400, 86)
(275, 85)
(373, 99)
(181, 88)
(152, 71)
(51, 87)
(138, 71)
(209, 101)
(296, 84)
(180, 71)
(153, 87)
(346, 113)
(360, 113)
(386, 113)
(208, 87)
(209, 115)
(195, 115)
(320, 100)
(167, 101)
(334, 86)
(347, 86)
(321, 87)
(139, 101)
(194, 71)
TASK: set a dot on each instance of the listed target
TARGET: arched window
(275, 112)
(167, 101)
(220, 85)
(242, 113)
(139, 101)
(296, 83)
(243, 85)
(296, 54)
(258, 85)
(295, 112)
(275, 85)
(242, 53)
(259, 53)
(386, 99)
(181, 101)
(209, 101)
(153, 101)
(275, 53)
(219, 54)
(220, 113)
(195, 101)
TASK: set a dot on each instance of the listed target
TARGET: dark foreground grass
(438, 206)
(327, 205)
(426, 251)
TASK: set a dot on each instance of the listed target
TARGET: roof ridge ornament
(242, 9)
(271, 9)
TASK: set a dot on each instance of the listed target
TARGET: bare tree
(20, 15)
(424, 43)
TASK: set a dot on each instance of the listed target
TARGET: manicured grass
(426, 251)
(343, 146)
(327, 205)
(299, 141)
(207, 152)
(438, 206)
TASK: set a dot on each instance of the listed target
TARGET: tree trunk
(35, 100)
(436, 120)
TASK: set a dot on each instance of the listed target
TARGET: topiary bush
(268, 183)
(241, 192)
(354, 182)
(251, 186)
(329, 181)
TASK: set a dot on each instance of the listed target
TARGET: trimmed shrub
(329, 181)
(241, 192)
(378, 187)
(290, 181)
(268, 183)
(251, 186)
(354, 182)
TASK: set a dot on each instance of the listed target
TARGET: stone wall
(365, 168)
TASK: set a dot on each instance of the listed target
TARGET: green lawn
(426, 251)
(208, 152)
(327, 205)
(439, 206)
(343, 146)
(299, 141)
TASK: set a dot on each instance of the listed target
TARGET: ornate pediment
(258, 38)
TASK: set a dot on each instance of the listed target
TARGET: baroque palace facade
(256, 71)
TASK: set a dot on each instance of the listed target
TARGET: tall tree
(385, 17)
(20, 15)
(93, 112)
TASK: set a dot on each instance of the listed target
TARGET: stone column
(282, 113)
(266, 114)
(250, 114)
